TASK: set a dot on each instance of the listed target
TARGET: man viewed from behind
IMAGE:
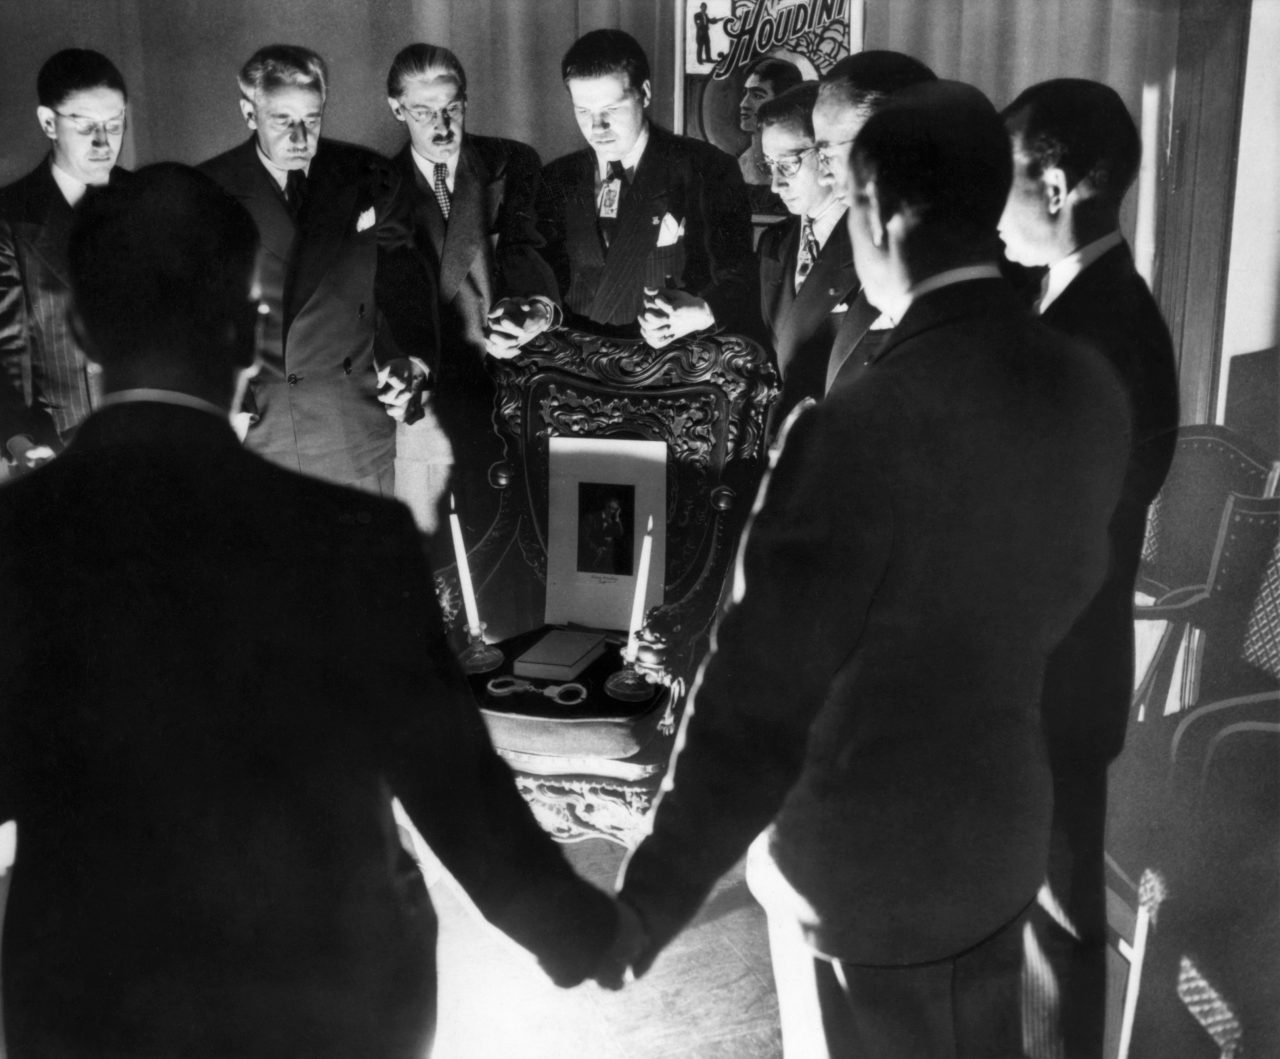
(1075, 153)
(216, 675)
(47, 387)
(646, 232)
(324, 210)
(885, 741)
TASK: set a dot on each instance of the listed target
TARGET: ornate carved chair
(592, 768)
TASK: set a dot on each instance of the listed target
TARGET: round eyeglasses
(787, 167)
(87, 126)
(431, 116)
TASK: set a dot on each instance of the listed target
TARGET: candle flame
(649, 528)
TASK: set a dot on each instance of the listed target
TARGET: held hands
(399, 381)
(670, 314)
(629, 942)
(513, 321)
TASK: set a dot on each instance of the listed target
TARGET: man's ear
(48, 121)
(1055, 188)
(396, 110)
(646, 95)
(247, 112)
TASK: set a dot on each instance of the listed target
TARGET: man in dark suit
(852, 90)
(1075, 153)
(217, 674)
(646, 232)
(47, 387)
(807, 278)
(473, 215)
(929, 534)
(326, 211)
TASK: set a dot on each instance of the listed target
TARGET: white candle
(642, 586)
(464, 572)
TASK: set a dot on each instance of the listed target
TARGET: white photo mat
(616, 483)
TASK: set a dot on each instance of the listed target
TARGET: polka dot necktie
(441, 188)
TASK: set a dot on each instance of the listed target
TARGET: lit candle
(642, 585)
(464, 573)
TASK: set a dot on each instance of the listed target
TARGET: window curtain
(1002, 46)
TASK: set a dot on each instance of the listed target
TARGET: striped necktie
(441, 187)
(807, 254)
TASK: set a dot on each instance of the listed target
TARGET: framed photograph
(603, 491)
(731, 55)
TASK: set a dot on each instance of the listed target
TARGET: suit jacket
(855, 345)
(802, 325)
(929, 534)
(47, 387)
(216, 675)
(1089, 685)
(698, 186)
(315, 397)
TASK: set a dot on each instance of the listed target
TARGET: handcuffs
(560, 694)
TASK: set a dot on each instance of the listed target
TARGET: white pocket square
(670, 232)
(843, 307)
(366, 220)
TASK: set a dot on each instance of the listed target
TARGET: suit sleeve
(461, 795)
(550, 207)
(406, 280)
(729, 272)
(522, 270)
(14, 331)
(814, 554)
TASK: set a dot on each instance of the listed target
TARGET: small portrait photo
(606, 517)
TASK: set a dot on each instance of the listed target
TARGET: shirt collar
(277, 174)
(428, 168)
(937, 281)
(72, 189)
(176, 397)
(630, 160)
(825, 220)
(1061, 273)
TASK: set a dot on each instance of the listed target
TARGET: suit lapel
(639, 220)
(468, 224)
(582, 237)
(329, 215)
(784, 290)
(48, 210)
(255, 187)
(831, 281)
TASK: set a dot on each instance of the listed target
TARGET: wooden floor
(709, 996)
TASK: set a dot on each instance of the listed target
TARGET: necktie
(295, 192)
(807, 254)
(441, 188)
(615, 183)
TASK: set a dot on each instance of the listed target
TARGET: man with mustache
(47, 387)
(472, 205)
(646, 232)
(329, 216)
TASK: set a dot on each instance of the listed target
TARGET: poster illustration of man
(739, 53)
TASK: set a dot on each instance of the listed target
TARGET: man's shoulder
(700, 153)
(569, 167)
(774, 237)
(14, 196)
(498, 152)
(230, 163)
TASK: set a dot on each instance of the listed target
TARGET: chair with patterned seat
(591, 768)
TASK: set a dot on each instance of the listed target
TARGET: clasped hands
(399, 381)
(630, 941)
(668, 314)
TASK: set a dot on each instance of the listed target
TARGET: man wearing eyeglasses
(332, 238)
(47, 386)
(854, 89)
(807, 278)
(474, 221)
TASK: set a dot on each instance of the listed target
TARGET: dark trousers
(1067, 943)
(968, 1006)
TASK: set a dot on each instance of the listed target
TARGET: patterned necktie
(295, 192)
(807, 254)
(441, 188)
(609, 224)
